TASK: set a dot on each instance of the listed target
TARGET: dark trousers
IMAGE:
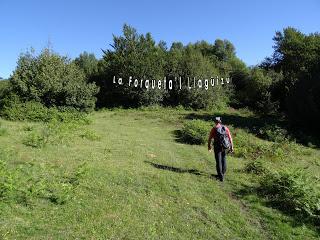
(221, 161)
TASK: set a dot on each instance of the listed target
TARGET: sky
(74, 26)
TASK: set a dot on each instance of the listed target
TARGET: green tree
(88, 63)
(134, 55)
(52, 80)
(189, 62)
(296, 57)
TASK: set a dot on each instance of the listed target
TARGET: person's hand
(231, 149)
(209, 149)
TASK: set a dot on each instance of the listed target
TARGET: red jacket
(213, 135)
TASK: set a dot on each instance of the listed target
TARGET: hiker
(222, 142)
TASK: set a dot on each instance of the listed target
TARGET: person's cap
(217, 119)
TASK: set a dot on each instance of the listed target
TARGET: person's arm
(211, 135)
(230, 138)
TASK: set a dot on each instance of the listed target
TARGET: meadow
(131, 174)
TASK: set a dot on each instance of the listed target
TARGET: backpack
(222, 137)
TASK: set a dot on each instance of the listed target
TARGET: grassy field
(127, 175)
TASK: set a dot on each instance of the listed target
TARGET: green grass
(140, 182)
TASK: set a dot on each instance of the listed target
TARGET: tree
(295, 54)
(88, 63)
(189, 62)
(296, 57)
(52, 80)
(137, 56)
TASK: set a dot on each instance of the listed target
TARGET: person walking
(222, 142)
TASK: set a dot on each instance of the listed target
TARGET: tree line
(287, 82)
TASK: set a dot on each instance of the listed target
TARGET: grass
(127, 176)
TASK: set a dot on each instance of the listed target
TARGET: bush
(256, 167)
(30, 182)
(6, 183)
(90, 135)
(3, 131)
(247, 146)
(292, 191)
(195, 132)
(35, 140)
(53, 81)
(55, 132)
(34, 111)
(273, 133)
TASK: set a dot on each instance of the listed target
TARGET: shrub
(248, 147)
(195, 132)
(6, 183)
(28, 128)
(273, 133)
(30, 182)
(54, 132)
(3, 131)
(90, 135)
(35, 140)
(292, 191)
(256, 167)
(34, 111)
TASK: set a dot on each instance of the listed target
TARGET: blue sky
(76, 26)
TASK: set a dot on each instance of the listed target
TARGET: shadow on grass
(180, 138)
(253, 124)
(296, 219)
(182, 170)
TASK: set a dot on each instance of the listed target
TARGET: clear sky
(74, 26)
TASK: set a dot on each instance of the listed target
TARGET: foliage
(195, 132)
(273, 133)
(55, 132)
(138, 56)
(88, 63)
(254, 89)
(29, 182)
(297, 58)
(190, 63)
(53, 81)
(3, 130)
(134, 55)
(3, 88)
(256, 167)
(248, 146)
(90, 135)
(35, 111)
(293, 191)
